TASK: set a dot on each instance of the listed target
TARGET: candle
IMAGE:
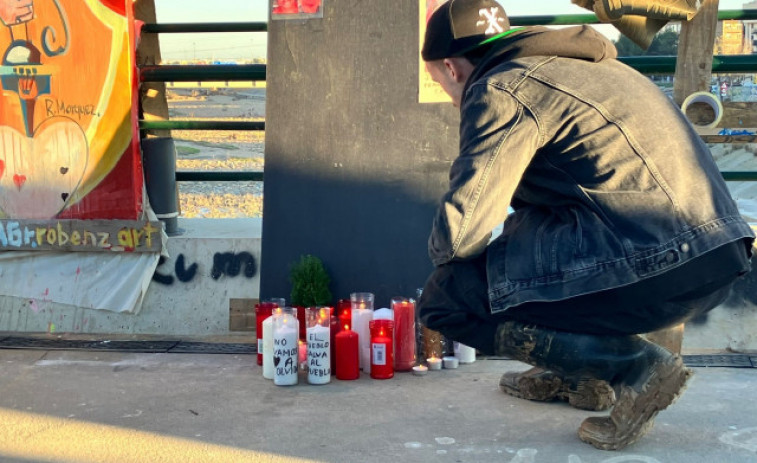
(382, 351)
(285, 338)
(334, 329)
(464, 354)
(263, 310)
(420, 370)
(404, 333)
(268, 367)
(302, 354)
(344, 312)
(450, 362)
(362, 314)
(319, 345)
(347, 355)
(301, 320)
(434, 363)
(383, 314)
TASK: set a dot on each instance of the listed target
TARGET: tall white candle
(361, 319)
(285, 361)
(268, 348)
(319, 354)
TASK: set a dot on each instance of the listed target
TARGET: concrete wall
(184, 298)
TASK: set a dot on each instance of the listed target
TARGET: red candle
(347, 358)
(263, 310)
(303, 321)
(334, 330)
(404, 333)
(382, 353)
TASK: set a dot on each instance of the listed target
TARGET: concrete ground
(111, 407)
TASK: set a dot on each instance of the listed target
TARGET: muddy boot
(612, 10)
(544, 386)
(639, 402)
(647, 376)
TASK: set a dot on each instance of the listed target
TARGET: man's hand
(16, 11)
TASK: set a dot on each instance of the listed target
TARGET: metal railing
(257, 73)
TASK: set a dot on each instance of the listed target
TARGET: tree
(310, 282)
(664, 43)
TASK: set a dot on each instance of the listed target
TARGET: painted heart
(276, 361)
(45, 168)
(19, 180)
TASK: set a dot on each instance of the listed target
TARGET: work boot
(544, 386)
(647, 377)
(612, 10)
(638, 404)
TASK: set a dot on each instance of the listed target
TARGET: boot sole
(636, 411)
(592, 395)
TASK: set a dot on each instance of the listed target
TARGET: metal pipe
(202, 125)
(204, 72)
(205, 27)
(589, 18)
(667, 64)
(218, 176)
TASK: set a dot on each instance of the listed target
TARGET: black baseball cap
(460, 26)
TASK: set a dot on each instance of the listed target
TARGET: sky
(227, 46)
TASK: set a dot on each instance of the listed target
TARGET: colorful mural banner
(80, 235)
(69, 141)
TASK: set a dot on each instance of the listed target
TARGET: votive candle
(285, 352)
(347, 355)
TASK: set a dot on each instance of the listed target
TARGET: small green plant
(310, 282)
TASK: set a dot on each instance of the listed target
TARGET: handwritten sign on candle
(319, 355)
(284, 356)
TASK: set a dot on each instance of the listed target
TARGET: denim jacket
(608, 181)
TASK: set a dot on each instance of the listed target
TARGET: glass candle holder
(263, 310)
(285, 353)
(318, 333)
(343, 313)
(267, 329)
(431, 342)
(404, 333)
(362, 314)
(382, 350)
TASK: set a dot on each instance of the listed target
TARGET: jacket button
(671, 257)
(685, 247)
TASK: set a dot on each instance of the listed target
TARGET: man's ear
(458, 68)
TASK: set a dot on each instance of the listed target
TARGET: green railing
(257, 73)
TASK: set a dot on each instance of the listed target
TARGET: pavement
(123, 407)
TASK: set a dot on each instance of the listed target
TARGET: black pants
(455, 300)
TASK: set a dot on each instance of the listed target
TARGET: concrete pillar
(354, 164)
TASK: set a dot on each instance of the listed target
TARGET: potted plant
(310, 286)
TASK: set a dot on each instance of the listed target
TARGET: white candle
(450, 362)
(319, 354)
(420, 370)
(434, 363)
(268, 348)
(383, 314)
(464, 354)
(285, 355)
(361, 319)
